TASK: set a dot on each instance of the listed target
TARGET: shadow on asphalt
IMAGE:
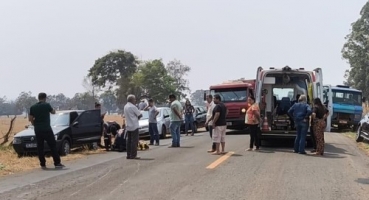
(145, 159)
(363, 181)
(236, 155)
(54, 169)
(329, 148)
(186, 147)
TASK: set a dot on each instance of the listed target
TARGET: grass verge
(364, 146)
(11, 164)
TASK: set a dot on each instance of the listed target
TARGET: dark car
(363, 129)
(199, 118)
(71, 128)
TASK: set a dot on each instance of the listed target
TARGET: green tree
(197, 98)
(153, 80)
(59, 101)
(24, 101)
(83, 101)
(109, 100)
(115, 70)
(356, 52)
(179, 71)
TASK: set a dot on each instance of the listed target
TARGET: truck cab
(345, 106)
(234, 95)
(275, 92)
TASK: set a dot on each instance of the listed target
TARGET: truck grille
(234, 113)
(344, 116)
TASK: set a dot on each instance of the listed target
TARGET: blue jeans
(300, 140)
(154, 133)
(189, 123)
(175, 132)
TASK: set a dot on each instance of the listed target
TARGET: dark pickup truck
(71, 128)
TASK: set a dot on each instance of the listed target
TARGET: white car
(162, 119)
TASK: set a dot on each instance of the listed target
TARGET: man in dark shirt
(39, 116)
(219, 124)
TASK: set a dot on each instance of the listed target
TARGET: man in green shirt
(175, 120)
(39, 116)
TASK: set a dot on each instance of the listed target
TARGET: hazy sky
(49, 46)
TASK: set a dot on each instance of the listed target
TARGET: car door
(166, 113)
(87, 127)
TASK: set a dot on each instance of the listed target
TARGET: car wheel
(163, 134)
(358, 135)
(94, 146)
(65, 148)
(195, 127)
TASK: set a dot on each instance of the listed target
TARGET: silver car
(162, 119)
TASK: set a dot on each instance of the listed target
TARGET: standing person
(219, 124)
(39, 116)
(293, 102)
(320, 113)
(252, 119)
(142, 104)
(132, 115)
(209, 120)
(189, 111)
(300, 112)
(153, 124)
(175, 120)
(312, 134)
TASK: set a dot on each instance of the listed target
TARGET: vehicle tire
(163, 134)
(94, 146)
(358, 137)
(354, 128)
(195, 127)
(64, 148)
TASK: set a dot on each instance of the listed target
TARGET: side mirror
(363, 99)
(75, 124)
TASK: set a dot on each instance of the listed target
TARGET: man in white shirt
(132, 115)
(209, 121)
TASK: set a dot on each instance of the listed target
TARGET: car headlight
(17, 140)
(243, 110)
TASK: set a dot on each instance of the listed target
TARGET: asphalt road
(189, 172)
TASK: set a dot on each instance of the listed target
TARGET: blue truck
(344, 105)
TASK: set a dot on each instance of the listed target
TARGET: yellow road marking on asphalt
(220, 160)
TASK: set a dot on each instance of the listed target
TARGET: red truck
(234, 95)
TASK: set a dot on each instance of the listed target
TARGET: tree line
(111, 79)
(356, 52)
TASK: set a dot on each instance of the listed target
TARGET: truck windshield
(346, 97)
(232, 94)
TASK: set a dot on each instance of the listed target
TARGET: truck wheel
(358, 137)
(163, 134)
(64, 148)
(354, 128)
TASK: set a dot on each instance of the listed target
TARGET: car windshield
(346, 97)
(145, 115)
(231, 95)
(59, 119)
